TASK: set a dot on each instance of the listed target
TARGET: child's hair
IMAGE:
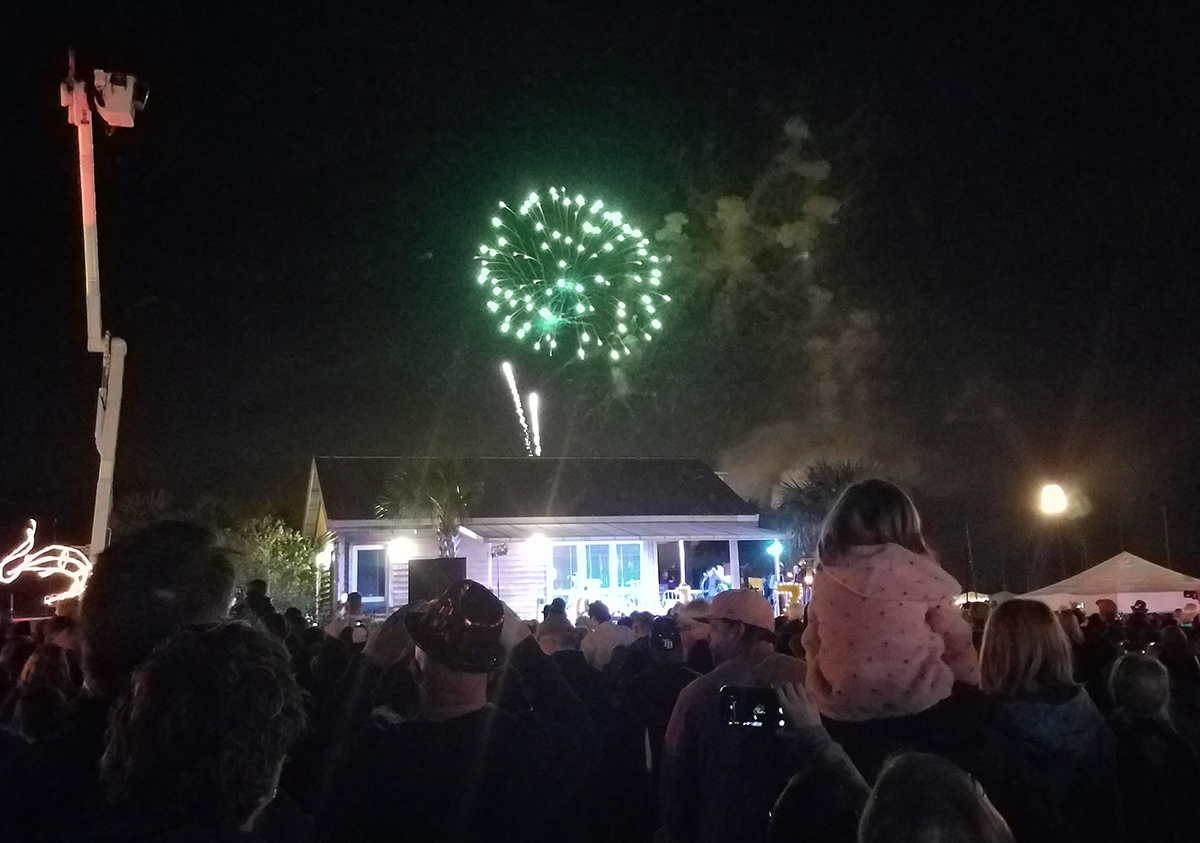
(1141, 687)
(1025, 651)
(868, 513)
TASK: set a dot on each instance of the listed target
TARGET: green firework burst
(568, 276)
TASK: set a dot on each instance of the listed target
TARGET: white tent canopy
(1124, 579)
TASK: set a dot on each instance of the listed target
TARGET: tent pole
(1166, 535)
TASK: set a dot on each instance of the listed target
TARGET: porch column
(735, 564)
(649, 576)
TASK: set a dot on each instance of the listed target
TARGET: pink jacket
(884, 638)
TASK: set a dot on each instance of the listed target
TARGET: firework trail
(511, 379)
(535, 424)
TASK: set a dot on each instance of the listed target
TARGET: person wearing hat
(462, 769)
(719, 782)
(652, 694)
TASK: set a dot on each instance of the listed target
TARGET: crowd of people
(170, 711)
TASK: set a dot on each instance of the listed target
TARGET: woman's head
(1140, 687)
(1025, 651)
(868, 513)
(920, 798)
(200, 735)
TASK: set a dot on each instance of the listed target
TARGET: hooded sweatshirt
(884, 638)
(1072, 752)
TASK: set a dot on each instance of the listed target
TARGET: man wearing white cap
(719, 782)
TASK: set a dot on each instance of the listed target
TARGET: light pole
(1053, 503)
(116, 98)
(775, 548)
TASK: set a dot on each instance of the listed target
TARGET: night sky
(286, 238)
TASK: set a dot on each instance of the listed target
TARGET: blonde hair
(1070, 625)
(1025, 651)
(868, 513)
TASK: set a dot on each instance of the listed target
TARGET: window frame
(614, 567)
(370, 603)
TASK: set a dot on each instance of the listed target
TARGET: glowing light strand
(535, 424)
(511, 379)
(568, 276)
(55, 559)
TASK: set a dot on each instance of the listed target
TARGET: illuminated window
(566, 566)
(603, 564)
(369, 575)
(629, 565)
(598, 557)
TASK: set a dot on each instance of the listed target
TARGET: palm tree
(441, 496)
(801, 504)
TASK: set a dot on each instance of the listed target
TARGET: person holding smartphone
(719, 781)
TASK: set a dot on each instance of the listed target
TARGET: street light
(1054, 499)
(1053, 504)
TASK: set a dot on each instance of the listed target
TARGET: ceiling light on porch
(401, 549)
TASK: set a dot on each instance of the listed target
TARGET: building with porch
(619, 530)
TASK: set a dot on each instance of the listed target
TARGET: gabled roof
(520, 487)
(1123, 574)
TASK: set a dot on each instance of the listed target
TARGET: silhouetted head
(598, 612)
(1140, 687)
(256, 588)
(201, 734)
(276, 624)
(921, 798)
(144, 588)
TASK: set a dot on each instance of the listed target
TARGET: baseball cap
(744, 606)
(664, 635)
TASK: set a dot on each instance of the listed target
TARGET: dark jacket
(1158, 773)
(587, 683)
(484, 776)
(962, 729)
(652, 697)
(629, 661)
(616, 796)
(1072, 754)
(133, 832)
(826, 792)
(33, 811)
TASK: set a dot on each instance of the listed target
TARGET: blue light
(775, 549)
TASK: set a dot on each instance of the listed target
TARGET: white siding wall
(476, 553)
(424, 546)
(520, 578)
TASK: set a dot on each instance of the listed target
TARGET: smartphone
(755, 708)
